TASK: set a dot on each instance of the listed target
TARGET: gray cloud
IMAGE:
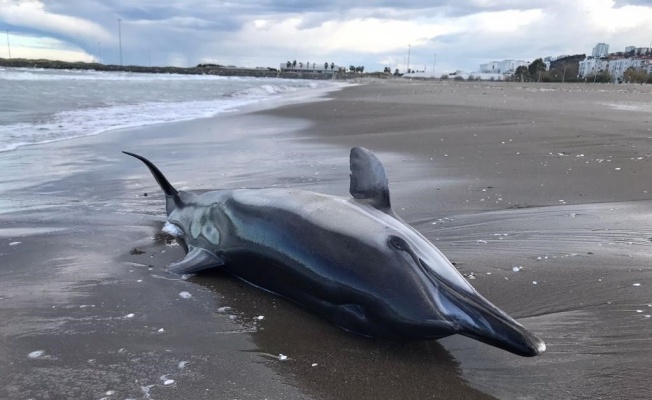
(196, 31)
(623, 3)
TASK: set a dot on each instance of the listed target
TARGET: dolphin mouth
(478, 319)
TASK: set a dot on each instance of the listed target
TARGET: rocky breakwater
(208, 69)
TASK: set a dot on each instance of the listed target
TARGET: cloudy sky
(459, 34)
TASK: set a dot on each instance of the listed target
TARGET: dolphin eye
(398, 243)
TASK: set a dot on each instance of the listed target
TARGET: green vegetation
(600, 77)
(633, 75)
(535, 69)
(522, 74)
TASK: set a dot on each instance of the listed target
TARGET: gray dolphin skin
(352, 261)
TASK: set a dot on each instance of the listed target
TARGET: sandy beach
(540, 194)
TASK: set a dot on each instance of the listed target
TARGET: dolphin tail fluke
(168, 189)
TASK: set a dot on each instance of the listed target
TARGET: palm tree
(332, 65)
(294, 64)
(325, 65)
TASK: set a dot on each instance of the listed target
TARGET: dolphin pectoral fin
(196, 260)
(368, 179)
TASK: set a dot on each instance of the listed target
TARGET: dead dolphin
(353, 261)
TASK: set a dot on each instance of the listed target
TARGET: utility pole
(8, 46)
(434, 63)
(408, 61)
(120, 38)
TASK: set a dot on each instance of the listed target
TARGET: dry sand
(553, 180)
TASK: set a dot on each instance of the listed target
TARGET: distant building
(505, 67)
(615, 66)
(589, 66)
(311, 67)
(630, 49)
(600, 50)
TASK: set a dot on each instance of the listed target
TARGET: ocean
(42, 106)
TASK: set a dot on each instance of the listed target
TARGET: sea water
(41, 106)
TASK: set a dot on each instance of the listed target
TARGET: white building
(600, 50)
(616, 67)
(589, 66)
(505, 67)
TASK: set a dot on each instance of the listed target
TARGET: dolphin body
(353, 261)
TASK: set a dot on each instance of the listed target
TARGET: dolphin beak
(477, 318)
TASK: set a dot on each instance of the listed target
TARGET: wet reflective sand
(539, 197)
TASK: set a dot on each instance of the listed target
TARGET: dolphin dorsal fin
(368, 179)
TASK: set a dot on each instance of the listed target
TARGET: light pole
(8, 46)
(434, 63)
(408, 60)
(120, 38)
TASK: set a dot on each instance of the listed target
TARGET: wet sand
(551, 180)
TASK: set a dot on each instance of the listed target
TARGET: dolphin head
(458, 304)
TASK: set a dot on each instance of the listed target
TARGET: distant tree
(470, 78)
(300, 65)
(633, 75)
(444, 77)
(600, 77)
(325, 65)
(649, 79)
(396, 72)
(361, 68)
(294, 64)
(521, 73)
(536, 67)
(351, 68)
(288, 64)
(332, 65)
(605, 77)
(458, 78)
